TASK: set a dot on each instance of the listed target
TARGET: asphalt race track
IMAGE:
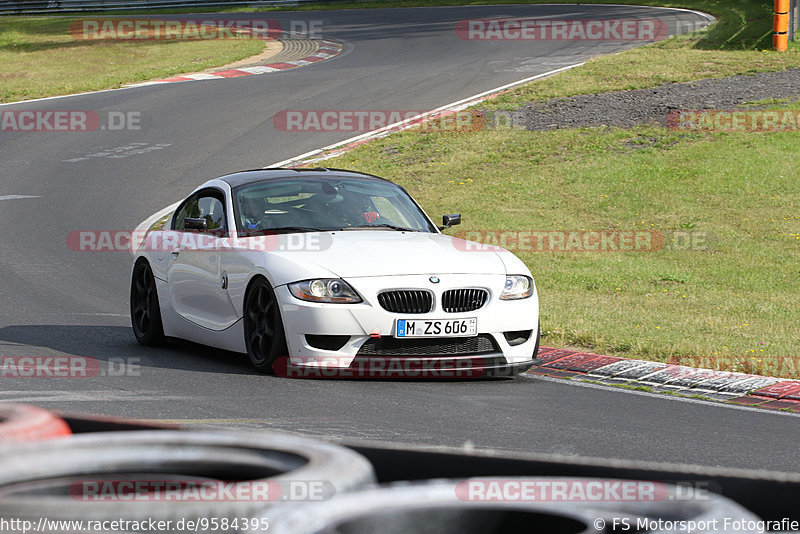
(56, 301)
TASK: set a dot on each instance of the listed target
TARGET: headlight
(517, 287)
(325, 290)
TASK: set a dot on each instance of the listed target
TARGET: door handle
(175, 253)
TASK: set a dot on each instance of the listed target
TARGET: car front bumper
(367, 325)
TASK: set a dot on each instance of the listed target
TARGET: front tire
(145, 311)
(264, 336)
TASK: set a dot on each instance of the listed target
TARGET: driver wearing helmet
(252, 214)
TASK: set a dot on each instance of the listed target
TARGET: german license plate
(437, 327)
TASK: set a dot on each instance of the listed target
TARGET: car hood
(363, 253)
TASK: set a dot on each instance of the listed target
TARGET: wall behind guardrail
(38, 7)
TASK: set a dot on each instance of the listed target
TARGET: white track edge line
(448, 107)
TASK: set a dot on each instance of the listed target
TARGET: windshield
(324, 204)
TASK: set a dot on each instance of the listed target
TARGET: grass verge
(39, 58)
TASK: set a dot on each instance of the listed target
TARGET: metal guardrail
(39, 7)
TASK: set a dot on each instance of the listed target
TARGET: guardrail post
(780, 25)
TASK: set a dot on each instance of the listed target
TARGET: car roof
(257, 175)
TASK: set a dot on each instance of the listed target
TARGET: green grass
(730, 304)
(39, 58)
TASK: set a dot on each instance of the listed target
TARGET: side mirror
(450, 220)
(200, 224)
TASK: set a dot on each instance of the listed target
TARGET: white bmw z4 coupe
(327, 272)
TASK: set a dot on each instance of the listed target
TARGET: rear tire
(145, 311)
(264, 336)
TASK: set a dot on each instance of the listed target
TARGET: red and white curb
(739, 388)
(326, 49)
